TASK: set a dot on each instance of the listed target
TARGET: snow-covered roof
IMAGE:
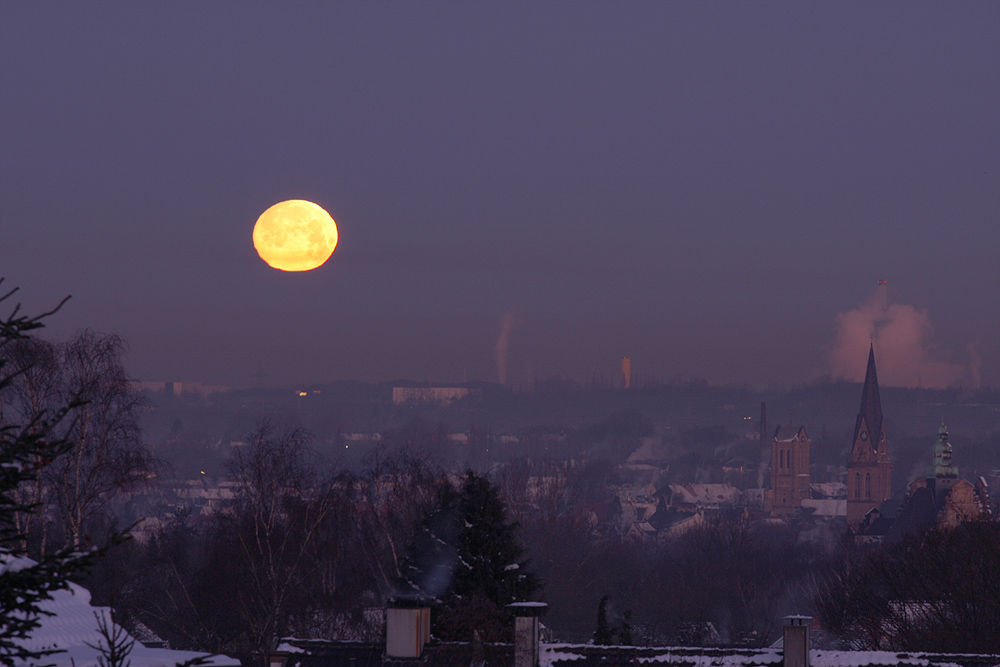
(864, 658)
(551, 655)
(704, 495)
(74, 625)
(319, 653)
(827, 506)
(789, 433)
(554, 655)
(829, 489)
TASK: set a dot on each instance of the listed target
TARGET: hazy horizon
(522, 190)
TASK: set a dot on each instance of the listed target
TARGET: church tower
(869, 472)
(789, 469)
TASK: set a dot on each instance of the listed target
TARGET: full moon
(295, 235)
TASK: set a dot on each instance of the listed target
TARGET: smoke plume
(901, 334)
(507, 324)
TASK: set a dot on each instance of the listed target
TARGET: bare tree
(33, 389)
(399, 487)
(300, 552)
(24, 449)
(109, 458)
(936, 591)
(278, 534)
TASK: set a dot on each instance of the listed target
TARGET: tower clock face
(864, 435)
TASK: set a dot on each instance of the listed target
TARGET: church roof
(871, 405)
(919, 512)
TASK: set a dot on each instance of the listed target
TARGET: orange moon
(295, 235)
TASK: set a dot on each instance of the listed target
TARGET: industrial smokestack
(882, 297)
(763, 445)
(507, 323)
(626, 372)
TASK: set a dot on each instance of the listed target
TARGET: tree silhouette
(603, 635)
(468, 555)
(25, 450)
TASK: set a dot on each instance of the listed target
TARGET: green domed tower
(942, 474)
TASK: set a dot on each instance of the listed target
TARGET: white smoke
(975, 363)
(507, 324)
(901, 334)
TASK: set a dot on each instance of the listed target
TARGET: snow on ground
(74, 625)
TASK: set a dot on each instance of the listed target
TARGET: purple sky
(710, 188)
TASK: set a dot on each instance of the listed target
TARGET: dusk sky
(712, 189)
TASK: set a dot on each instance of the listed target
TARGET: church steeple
(869, 425)
(869, 472)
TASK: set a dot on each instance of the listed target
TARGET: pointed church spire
(869, 471)
(871, 404)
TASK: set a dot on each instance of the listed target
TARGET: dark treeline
(934, 591)
(313, 555)
(300, 552)
(726, 581)
(309, 550)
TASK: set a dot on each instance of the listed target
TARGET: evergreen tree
(492, 561)
(603, 635)
(25, 449)
(625, 636)
(468, 556)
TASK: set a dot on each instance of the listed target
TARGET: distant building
(178, 388)
(444, 395)
(941, 499)
(789, 469)
(869, 471)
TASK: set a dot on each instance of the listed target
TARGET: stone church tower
(789, 469)
(869, 472)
